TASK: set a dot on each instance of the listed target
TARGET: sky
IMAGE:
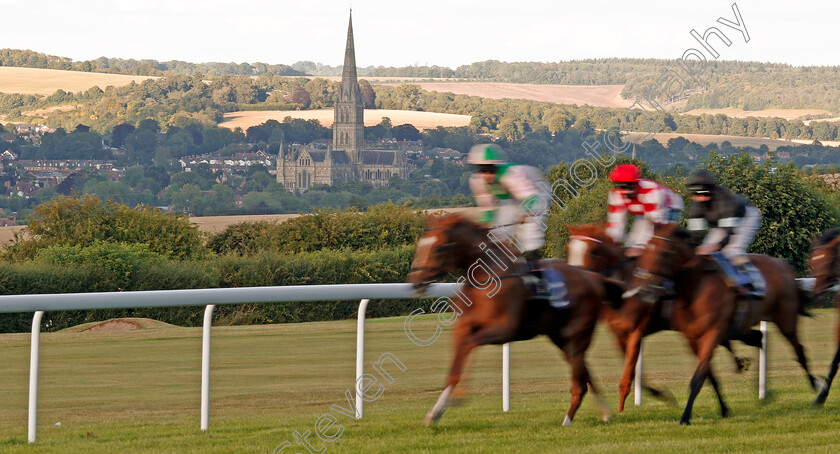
(399, 33)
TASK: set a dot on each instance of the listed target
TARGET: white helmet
(486, 154)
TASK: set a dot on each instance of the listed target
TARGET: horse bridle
(608, 270)
(646, 274)
(834, 281)
(445, 247)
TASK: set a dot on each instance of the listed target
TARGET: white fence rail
(212, 297)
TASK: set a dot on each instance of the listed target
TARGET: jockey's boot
(535, 269)
(742, 264)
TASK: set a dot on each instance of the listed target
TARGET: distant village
(47, 173)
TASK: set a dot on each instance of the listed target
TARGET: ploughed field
(138, 391)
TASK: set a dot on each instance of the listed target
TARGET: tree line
(144, 67)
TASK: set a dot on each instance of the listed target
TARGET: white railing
(212, 297)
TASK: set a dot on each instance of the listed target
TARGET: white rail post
(506, 377)
(762, 362)
(33, 375)
(638, 393)
(360, 357)
(205, 367)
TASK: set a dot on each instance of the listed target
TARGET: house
(23, 189)
(447, 154)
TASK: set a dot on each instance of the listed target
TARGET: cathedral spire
(348, 74)
(348, 124)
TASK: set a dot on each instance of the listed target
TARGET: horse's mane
(829, 236)
(452, 219)
(683, 235)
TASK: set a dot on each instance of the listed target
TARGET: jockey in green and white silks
(514, 198)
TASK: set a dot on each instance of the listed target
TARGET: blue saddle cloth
(553, 288)
(746, 277)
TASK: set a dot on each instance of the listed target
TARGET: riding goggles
(701, 190)
(625, 185)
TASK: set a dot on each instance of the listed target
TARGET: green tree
(301, 96)
(82, 221)
(792, 212)
(368, 94)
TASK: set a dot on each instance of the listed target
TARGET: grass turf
(139, 391)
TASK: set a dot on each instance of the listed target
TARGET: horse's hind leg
(788, 328)
(724, 410)
(603, 408)
(742, 363)
(831, 373)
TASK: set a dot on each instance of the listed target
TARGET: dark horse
(494, 305)
(825, 261)
(708, 312)
(589, 247)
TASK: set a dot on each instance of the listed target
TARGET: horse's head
(589, 247)
(663, 256)
(443, 247)
(825, 261)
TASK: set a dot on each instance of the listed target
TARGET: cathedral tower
(348, 125)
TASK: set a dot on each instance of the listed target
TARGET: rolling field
(33, 81)
(138, 391)
(421, 120)
(788, 114)
(593, 95)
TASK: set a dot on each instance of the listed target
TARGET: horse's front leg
(462, 351)
(631, 355)
(705, 348)
(823, 395)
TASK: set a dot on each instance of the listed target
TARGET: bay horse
(493, 305)
(591, 248)
(825, 263)
(707, 311)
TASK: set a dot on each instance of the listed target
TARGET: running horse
(493, 304)
(825, 261)
(708, 312)
(589, 247)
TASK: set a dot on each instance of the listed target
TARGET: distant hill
(748, 86)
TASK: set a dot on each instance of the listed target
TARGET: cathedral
(346, 159)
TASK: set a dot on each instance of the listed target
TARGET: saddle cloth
(746, 277)
(552, 288)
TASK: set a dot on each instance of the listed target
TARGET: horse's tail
(806, 298)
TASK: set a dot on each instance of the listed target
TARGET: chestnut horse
(493, 305)
(708, 312)
(825, 261)
(589, 247)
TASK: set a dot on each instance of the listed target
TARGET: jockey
(650, 202)
(514, 201)
(733, 220)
